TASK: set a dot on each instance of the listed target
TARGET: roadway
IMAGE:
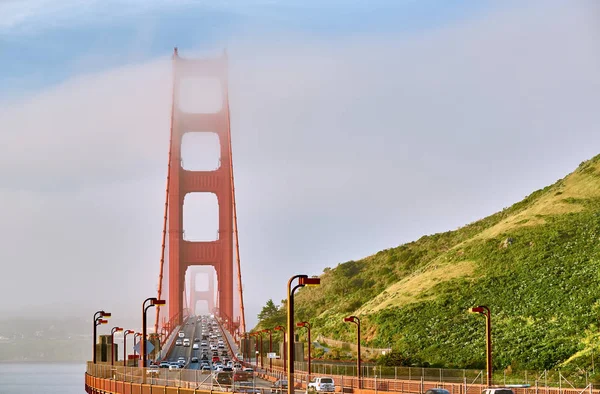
(193, 328)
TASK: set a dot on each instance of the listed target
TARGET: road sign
(272, 355)
(149, 347)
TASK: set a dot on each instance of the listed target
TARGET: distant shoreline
(41, 362)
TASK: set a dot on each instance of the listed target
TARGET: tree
(268, 311)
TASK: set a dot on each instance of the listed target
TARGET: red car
(215, 359)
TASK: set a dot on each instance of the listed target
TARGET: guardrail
(101, 378)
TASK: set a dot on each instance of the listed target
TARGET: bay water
(47, 378)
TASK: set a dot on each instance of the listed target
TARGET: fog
(342, 147)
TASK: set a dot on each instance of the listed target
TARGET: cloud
(341, 147)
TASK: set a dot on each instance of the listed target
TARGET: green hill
(535, 264)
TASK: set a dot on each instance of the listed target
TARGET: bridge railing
(547, 378)
(107, 377)
(411, 381)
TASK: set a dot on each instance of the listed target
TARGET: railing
(550, 378)
(120, 379)
(419, 380)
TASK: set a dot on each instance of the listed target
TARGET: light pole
(303, 280)
(135, 337)
(356, 320)
(282, 329)
(253, 334)
(484, 310)
(125, 345)
(97, 321)
(153, 301)
(112, 343)
(245, 350)
(270, 346)
(259, 333)
(307, 325)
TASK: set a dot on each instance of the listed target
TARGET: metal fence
(390, 379)
(549, 378)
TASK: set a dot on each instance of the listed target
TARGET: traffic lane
(182, 351)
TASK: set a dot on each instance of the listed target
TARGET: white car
(195, 346)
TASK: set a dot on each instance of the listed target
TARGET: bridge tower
(207, 294)
(180, 254)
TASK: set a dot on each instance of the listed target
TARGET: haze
(344, 144)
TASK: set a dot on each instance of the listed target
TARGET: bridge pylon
(178, 253)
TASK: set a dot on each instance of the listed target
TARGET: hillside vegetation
(535, 264)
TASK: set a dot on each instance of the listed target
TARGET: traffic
(201, 354)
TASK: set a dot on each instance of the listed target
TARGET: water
(27, 378)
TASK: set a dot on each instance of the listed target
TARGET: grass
(536, 264)
(414, 288)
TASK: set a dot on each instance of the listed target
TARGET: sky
(356, 126)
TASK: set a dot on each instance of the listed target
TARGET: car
(279, 386)
(322, 384)
(173, 366)
(181, 334)
(178, 342)
(196, 339)
(498, 390)
(152, 370)
(215, 359)
(195, 346)
(194, 360)
(437, 391)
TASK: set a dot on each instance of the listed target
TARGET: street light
(282, 328)
(125, 346)
(112, 343)
(356, 320)
(303, 280)
(246, 351)
(253, 334)
(153, 302)
(97, 321)
(307, 325)
(135, 337)
(270, 346)
(484, 310)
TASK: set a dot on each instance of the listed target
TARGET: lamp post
(303, 280)
(125, 345)
(253, 334)
(307, 325)
(484, 310)
(270, 346)
(356, 320)
(135, 337)
(112, 343)
(282, 329)
(245, 349)
(97, 321)
(152, 301)
(259, 333)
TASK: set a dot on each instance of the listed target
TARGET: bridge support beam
(183, 253)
